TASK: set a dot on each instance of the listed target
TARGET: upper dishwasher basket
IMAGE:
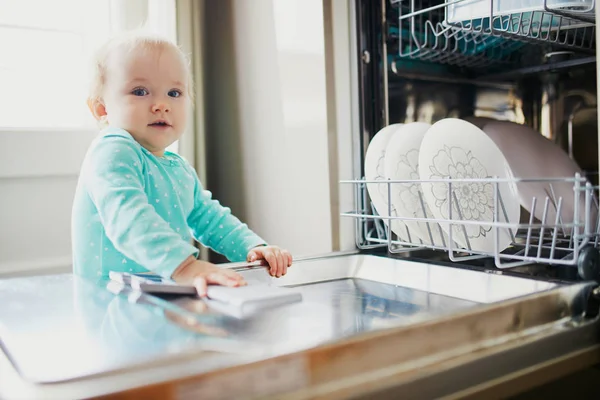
(477, 33)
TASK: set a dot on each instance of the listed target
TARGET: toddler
(137, 206)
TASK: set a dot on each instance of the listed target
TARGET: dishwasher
(399, 316)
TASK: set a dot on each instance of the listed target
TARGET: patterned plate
(456, 149)
(374, 171)
(402, 163)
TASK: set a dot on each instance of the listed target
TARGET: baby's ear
(97, 108)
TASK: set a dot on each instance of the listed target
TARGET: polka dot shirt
(136, 212)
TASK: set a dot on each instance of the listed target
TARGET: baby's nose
(164, 107)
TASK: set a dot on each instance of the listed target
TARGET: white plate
(453, 148)
(374, 170)
(479, 122)
(402, 163)
(531, 155)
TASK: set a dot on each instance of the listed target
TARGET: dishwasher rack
(553, 242)
(424, 32)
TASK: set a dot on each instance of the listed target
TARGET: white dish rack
(478, 33)
(555, 242)
(465, 10)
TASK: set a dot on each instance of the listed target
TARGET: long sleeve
(214, 226)
(114, 177)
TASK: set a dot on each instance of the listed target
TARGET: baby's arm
(114, 178)
(214, 226)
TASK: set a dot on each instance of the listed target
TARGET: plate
(402, 163)
(479, 122)
(531, 155)
(456, 149)
(375, 171)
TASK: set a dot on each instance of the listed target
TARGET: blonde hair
(129, 42)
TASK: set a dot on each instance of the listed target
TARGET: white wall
(267, 118)
(38, 175)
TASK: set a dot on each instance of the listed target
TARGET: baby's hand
(202, 273)
(279, 260)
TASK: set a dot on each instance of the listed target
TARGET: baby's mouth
(159, 124)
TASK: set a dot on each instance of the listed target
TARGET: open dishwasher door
(366, 325)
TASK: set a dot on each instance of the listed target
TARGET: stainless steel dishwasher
(401, 318)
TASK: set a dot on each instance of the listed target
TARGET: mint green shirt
(136, 212)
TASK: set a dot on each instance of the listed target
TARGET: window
(46, 48)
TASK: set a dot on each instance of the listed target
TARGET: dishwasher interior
(533, 64)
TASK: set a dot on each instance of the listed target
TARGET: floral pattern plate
(456, 149)
(402, 163)
(374, 171)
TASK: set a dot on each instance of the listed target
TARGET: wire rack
(438, 33)
(549, 240)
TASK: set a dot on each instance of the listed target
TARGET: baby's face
(146, 94)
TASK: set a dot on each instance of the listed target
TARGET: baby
(137, 206)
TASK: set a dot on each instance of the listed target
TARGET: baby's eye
(174, 93)
(139, 92)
